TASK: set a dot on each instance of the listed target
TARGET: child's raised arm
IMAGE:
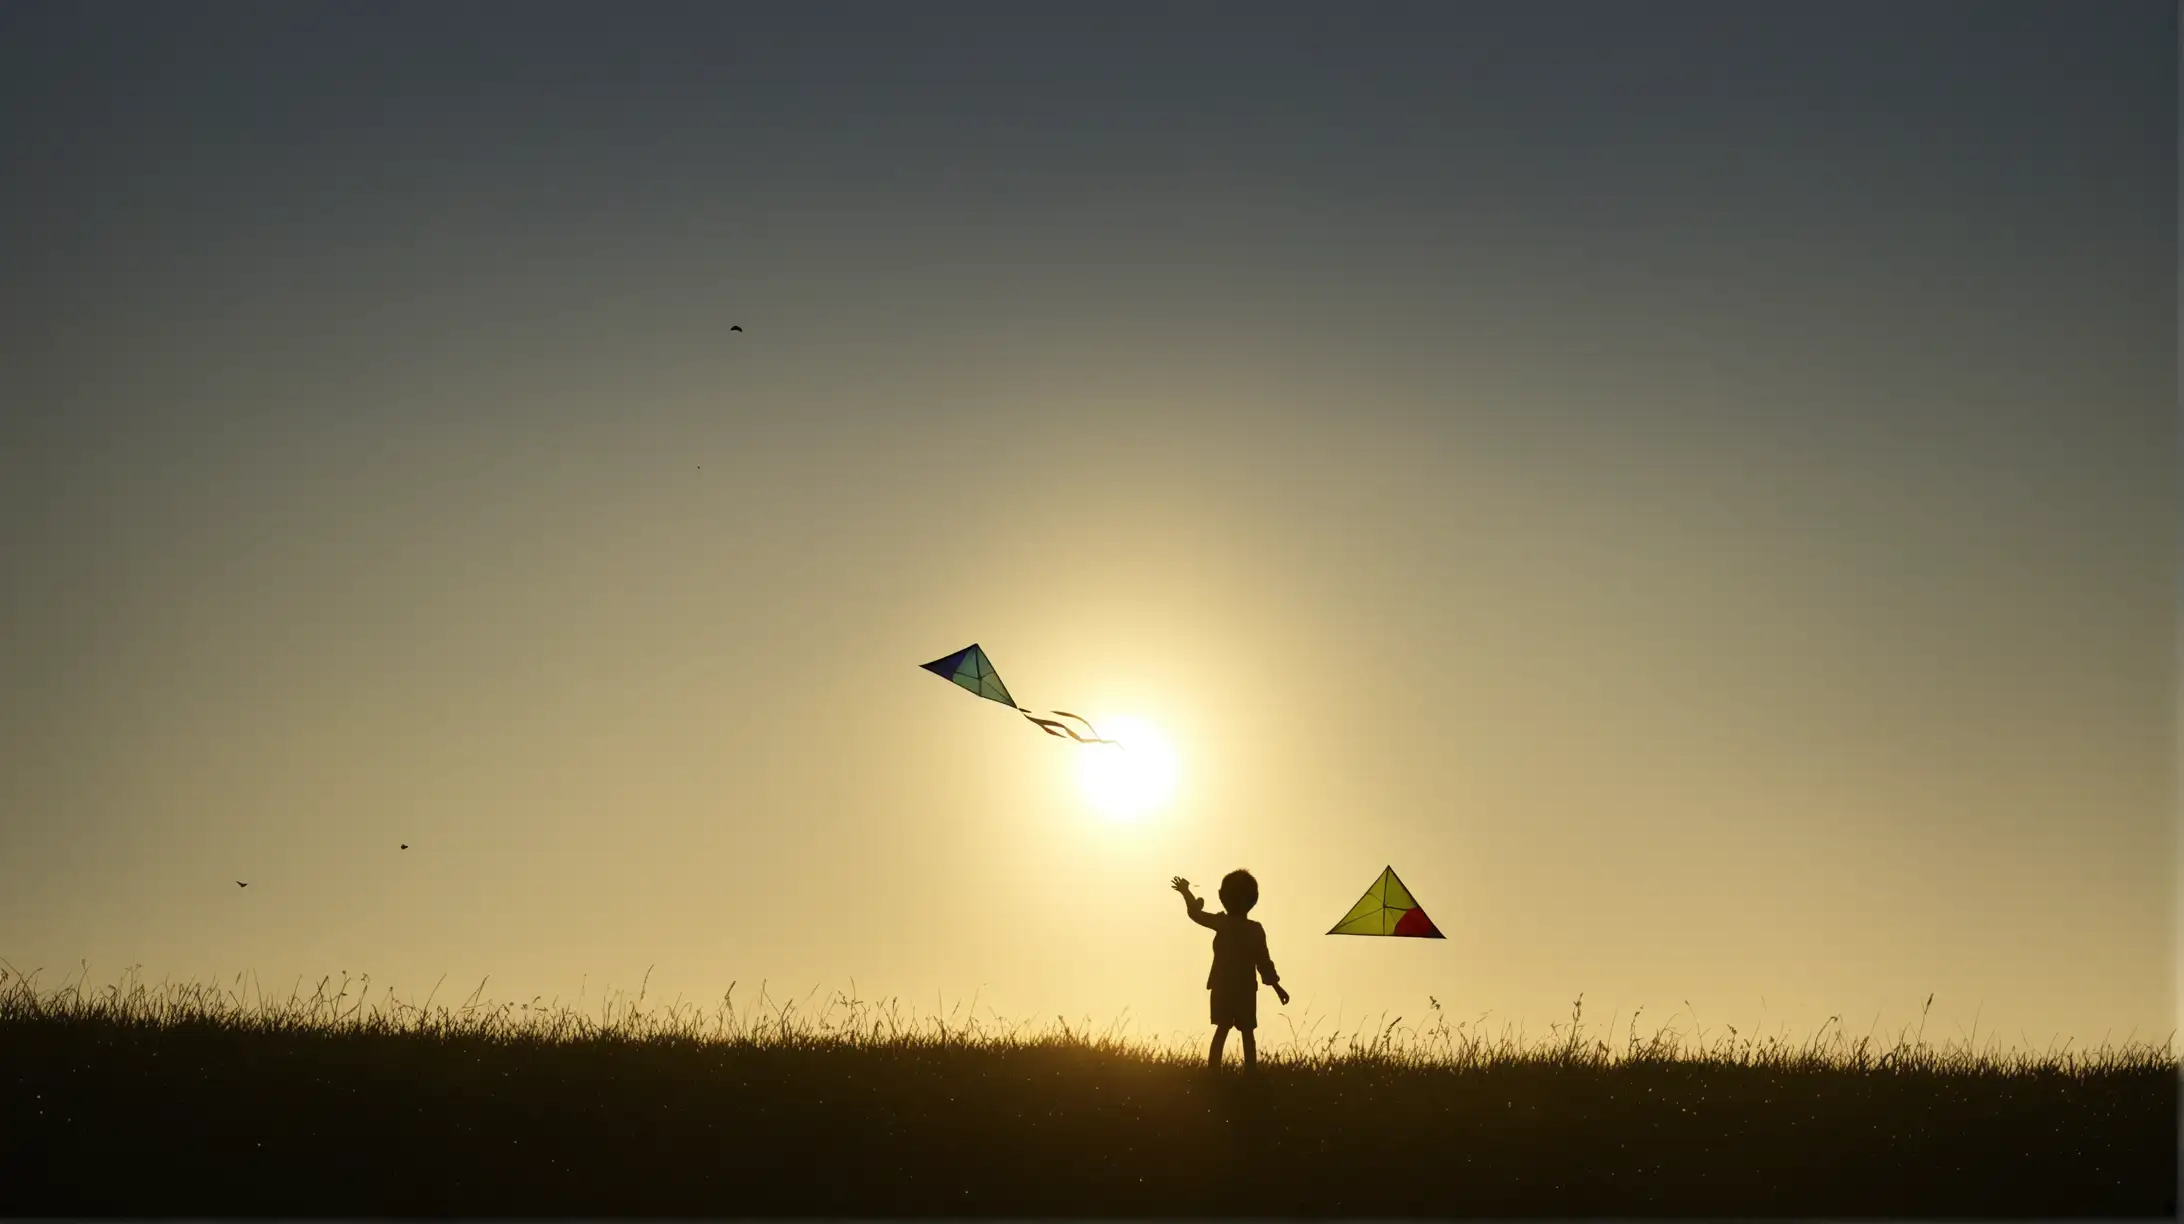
(1191, 904)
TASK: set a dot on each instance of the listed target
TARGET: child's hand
(1181, 885)
(1283, 995)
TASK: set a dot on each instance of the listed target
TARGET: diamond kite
(1387, 908)
(971, 668)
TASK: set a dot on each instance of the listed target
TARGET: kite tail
(1053, 728)
(1087, 726)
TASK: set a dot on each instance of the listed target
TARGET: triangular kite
(970, 668)
(1387, 908)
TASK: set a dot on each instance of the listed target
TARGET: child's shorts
(1236, 1008)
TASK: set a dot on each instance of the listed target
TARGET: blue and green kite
(971, 668)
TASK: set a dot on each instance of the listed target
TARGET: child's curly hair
(1239, 891)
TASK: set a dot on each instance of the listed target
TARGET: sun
(1133, 777)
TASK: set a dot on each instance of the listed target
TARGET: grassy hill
(187, 1100)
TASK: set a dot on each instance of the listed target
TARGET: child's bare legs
(1220, 1041)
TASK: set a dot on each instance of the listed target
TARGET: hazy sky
(1691, 486)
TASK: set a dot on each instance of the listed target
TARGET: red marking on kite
(1415, 922)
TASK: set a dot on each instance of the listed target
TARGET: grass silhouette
(194, 1099)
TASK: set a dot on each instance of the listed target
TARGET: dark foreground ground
(111, 1119)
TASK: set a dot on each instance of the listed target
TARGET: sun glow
(1134, 776)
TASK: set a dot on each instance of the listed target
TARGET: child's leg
(1220, 1038)
(1251, 1048)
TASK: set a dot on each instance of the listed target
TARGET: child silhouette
(1240, 960)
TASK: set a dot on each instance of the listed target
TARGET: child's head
(1239, 892)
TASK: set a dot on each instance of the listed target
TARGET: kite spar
(971, 668)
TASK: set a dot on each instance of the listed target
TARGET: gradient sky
(1691, 486)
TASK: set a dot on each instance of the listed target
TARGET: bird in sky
(240, 884)
(735, 327)
(405, 845)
